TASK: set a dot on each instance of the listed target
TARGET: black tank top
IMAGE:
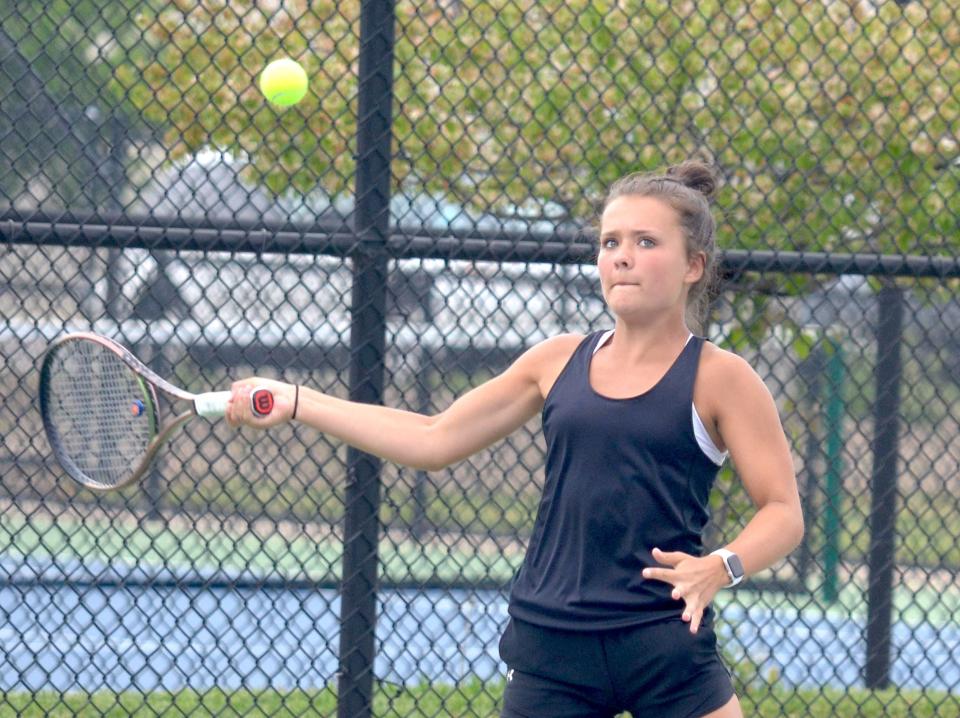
(622, 476)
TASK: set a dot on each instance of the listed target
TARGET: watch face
(735, 566)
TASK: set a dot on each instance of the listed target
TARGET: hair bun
(696, 175)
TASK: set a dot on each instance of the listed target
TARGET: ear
(696, 265)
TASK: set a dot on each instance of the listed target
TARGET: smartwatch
(732, 563)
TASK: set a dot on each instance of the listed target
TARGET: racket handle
(212, 404)
(261, 401)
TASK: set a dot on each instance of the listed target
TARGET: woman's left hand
(696, 580)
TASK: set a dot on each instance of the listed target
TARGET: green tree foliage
(195, 73)
(835, 122)
(59, 122)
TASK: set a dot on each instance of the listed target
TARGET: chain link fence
(404, 233)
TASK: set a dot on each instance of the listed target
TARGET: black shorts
(659, 670)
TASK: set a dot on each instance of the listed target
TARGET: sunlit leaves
(835, 124)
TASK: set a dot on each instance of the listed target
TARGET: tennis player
(611, 609)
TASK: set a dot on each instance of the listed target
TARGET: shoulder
(748, 423)
(544, 361)
(552, 350)
(560, 344)
(720, 363)
(728, 378)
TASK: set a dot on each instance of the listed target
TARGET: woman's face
(643, 262)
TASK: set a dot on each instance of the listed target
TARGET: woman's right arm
(474, 421)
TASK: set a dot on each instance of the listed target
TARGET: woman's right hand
(240, 411)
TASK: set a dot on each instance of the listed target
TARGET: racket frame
(210, 404)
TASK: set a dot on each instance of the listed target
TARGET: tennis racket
(101, 414)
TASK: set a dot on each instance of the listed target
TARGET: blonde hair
(687, 188)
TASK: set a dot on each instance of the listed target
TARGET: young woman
(611, 608)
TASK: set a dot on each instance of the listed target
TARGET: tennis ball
(283, 82)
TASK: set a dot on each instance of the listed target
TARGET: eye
(646, 242)
(608, 243)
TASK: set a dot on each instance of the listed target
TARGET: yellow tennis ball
(283, 82)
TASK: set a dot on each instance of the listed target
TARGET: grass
(854, 703)
(474, 699)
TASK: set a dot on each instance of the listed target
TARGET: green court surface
(294, 555)
(276, 552)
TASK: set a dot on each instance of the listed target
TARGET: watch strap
(725, 555)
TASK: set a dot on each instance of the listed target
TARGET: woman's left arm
(748, 423)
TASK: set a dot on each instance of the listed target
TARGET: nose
(623, 257)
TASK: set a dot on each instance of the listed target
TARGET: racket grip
(261, 401)
(212, 404)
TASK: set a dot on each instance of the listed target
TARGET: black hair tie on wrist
(296, 401)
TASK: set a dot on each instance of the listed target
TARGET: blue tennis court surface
(147, 639)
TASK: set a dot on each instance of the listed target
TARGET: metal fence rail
(420, 219)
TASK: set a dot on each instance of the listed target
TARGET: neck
(632, 341)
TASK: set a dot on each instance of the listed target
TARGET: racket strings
(101, 411)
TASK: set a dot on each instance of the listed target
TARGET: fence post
(883, 509)
(834, 470)
(358, 594)
(811, 372)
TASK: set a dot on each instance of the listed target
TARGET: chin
(636, 312)
(628, 312)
